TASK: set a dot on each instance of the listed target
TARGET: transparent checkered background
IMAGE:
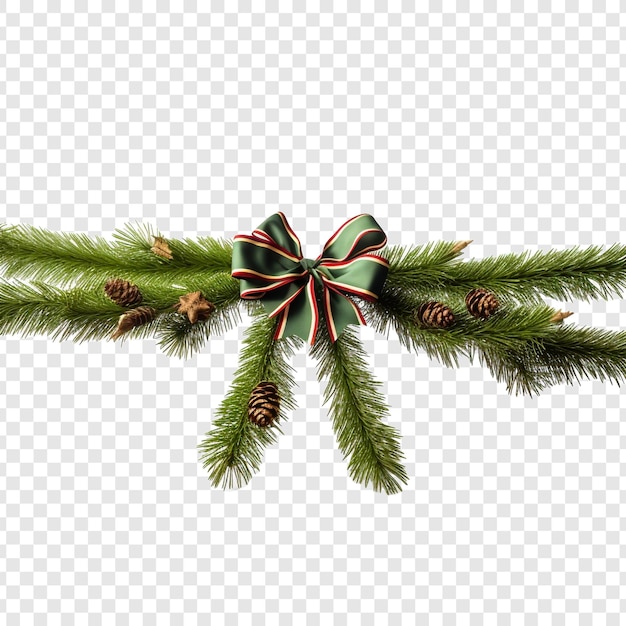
(455, 121)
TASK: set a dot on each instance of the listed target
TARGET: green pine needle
(40, 308)
(519, 344)
(423, 264)
(568, 354)
(55, 257)
(69, 271)
(212, 255)
(178, 336)
(357, 409)
(84, 314)
(233, 449)
(136, 236)
(65, 258)
(587, 273)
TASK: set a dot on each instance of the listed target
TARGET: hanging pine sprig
(233, 450)
(358, 410)
(181, 292)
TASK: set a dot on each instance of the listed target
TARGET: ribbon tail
(340, 311)
(301, 316)
(279, 299)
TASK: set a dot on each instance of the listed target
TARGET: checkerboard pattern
(480, 121)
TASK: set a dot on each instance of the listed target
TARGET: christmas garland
(184, 291)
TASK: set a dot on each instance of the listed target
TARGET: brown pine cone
(481, 303)
(133, 318)
(264, 404)
(123, 292)
(434, 314)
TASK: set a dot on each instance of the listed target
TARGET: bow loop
(270, 266)
(276, 229)
(357, 236)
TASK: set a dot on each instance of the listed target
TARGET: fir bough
(75, 258)
(358, 411)
(233, 449)
(583, 273)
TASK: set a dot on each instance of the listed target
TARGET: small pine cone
(481, 303)
(135, 317)
(122, 292)
(160, 248)
(264, 404)
(435, 314)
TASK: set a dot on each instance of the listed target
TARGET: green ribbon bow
(270, 265)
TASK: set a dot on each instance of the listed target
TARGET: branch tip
(460, 245)
(559, 316)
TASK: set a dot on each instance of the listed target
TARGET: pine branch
(233, 449)
(210, 254)
(65, 258)
(520, 344)
(420, 265)
(45, 309)
(508, 329)
(180, 338)
(59, 257)
(573, 353)
(592, 272)
(87, 314)
(357, 409)
(567, 355)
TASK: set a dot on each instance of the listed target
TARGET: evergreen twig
(420, 265)
(587, 273)
(233, 449)
(60, 257)
(519, 344)
(180, 338)
(40, 308)
(207, 253)
(357, 409)
(504, 331)
(568, 354)
(83, 314)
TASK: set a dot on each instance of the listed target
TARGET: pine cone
(264, 404)
(434, 314)
(122, 292)
(481, 303)
(135, 317)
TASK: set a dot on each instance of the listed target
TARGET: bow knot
(309, 264)
(270, 266)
